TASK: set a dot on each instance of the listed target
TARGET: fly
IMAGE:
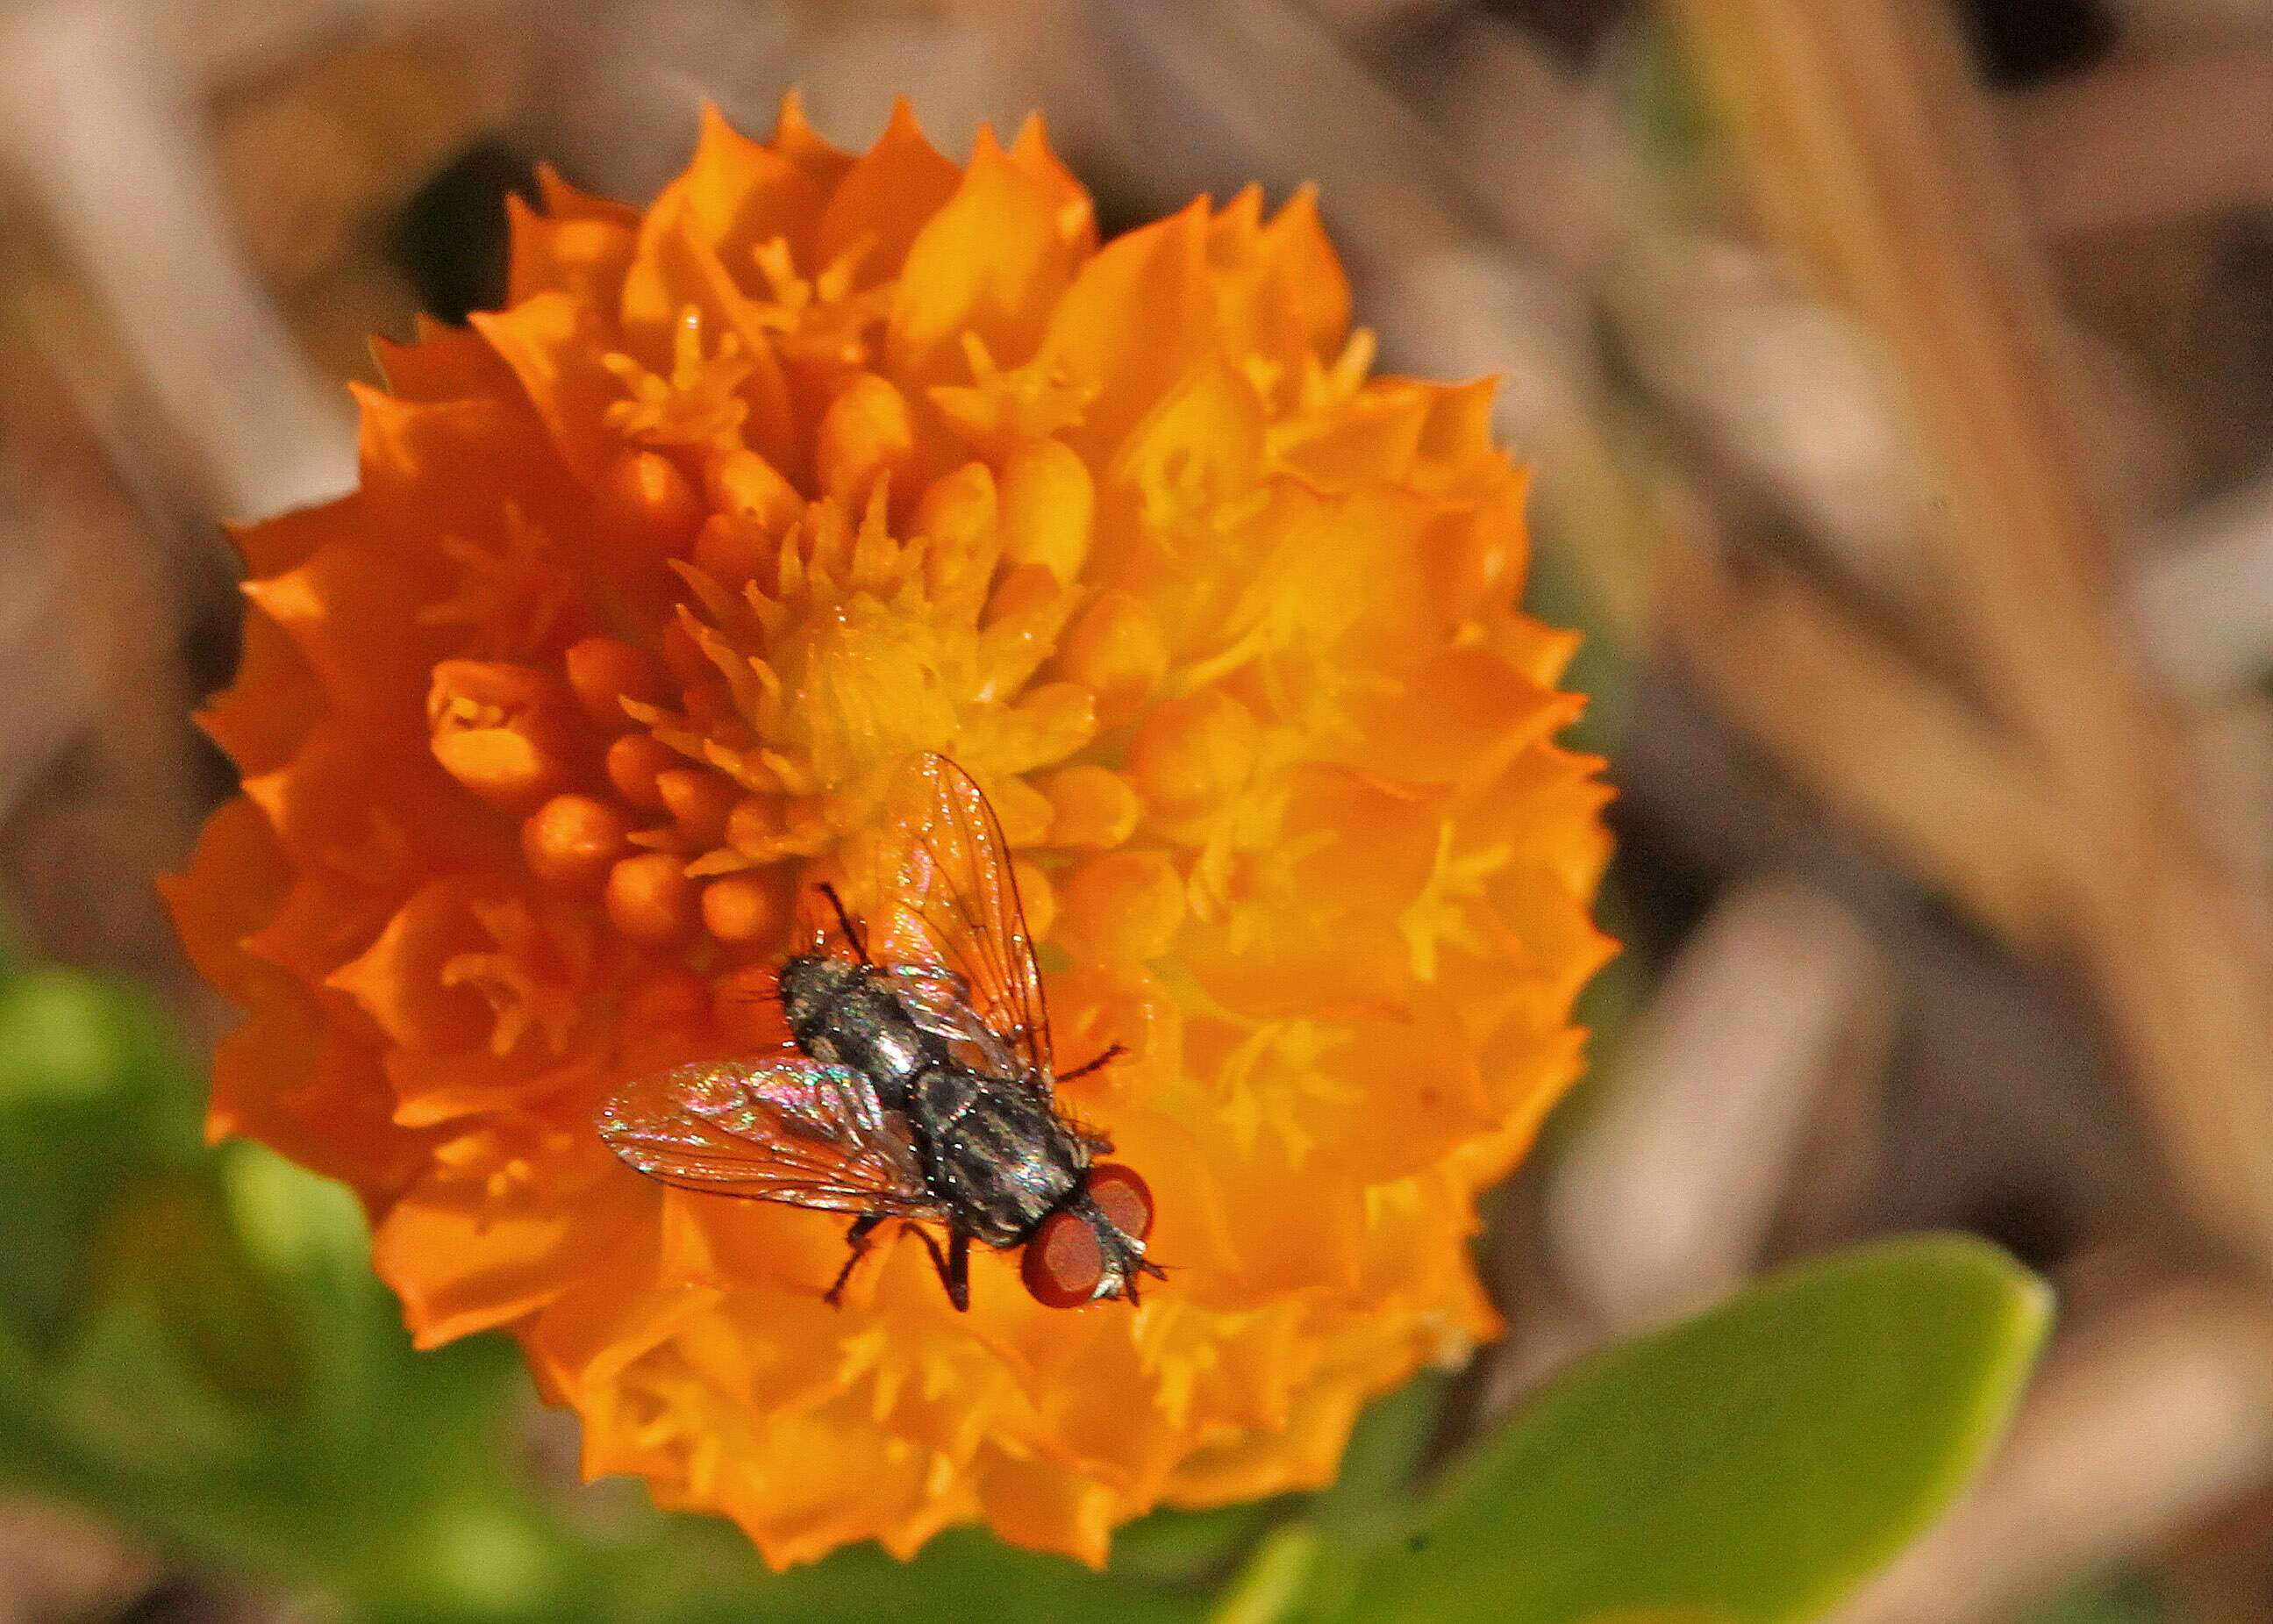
(919, 1085)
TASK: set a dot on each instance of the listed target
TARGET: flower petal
(500, 1227)
(992, 263)
(887, 196)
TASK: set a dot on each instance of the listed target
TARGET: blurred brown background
(1898, 376)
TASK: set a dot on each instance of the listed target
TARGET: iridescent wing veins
(785, 1128)
(946, 898)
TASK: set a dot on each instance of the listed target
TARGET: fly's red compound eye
(1063, 1262)
(1123, 1198)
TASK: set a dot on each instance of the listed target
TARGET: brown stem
(2142, 141)
(1873, 157)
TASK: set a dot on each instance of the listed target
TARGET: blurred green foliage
(2125, 1596)
(192, 1342)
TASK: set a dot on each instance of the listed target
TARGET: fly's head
(808, 981)
(1092, 1246)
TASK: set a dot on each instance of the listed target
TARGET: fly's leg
(1129, 1281)
(954, 1266)
(958, 1273)
(856, 1237)
(852, 931)
(1087, 1066)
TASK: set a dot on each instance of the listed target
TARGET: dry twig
(1871, 156)
(2145, 140)
(1880, 741)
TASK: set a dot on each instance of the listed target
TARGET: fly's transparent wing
(787, 1128)
(946, 898)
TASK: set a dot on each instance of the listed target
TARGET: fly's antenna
(1087, 1066)
(852, 931)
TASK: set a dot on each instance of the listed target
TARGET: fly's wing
(938, 1001)
(787, 1128)
(945, 898)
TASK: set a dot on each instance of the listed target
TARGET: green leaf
(93, 1096)
(1752, 1464)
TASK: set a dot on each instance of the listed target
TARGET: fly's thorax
(996, 1156)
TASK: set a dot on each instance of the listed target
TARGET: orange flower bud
(1063, 715)
(746, 489)
(635, 763)
(1094, 807)
(699, 799)
(1035, 895)
(961, 509)
(1123, 908)
(742, 907)
(866, 430)
(604, 673)
(650, 899)
(1115, 650)
(731, 552)
(755, 821)
(571, 841)
(644, 499)
(1192, 752)
(1026, 589)
(1047, 499)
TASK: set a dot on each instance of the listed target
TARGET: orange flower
(652, 580)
